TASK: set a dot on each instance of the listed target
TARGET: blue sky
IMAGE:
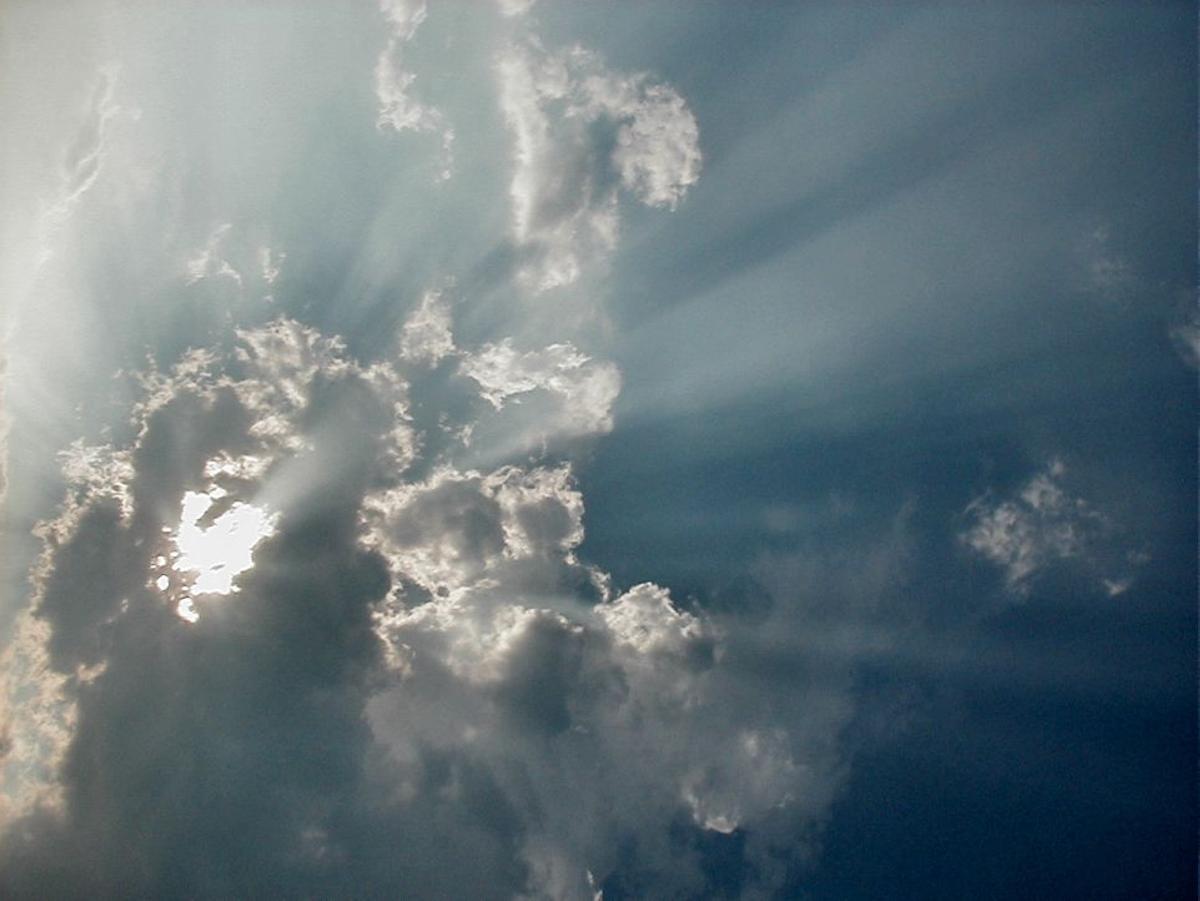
(561, 450)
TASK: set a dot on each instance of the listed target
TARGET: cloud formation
(86, 158)
(394, 660)
(336, 599)
(399, 110)
(578, 390)
(580, 133)
(1041, 526)
(209, 263)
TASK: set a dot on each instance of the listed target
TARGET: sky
(537, 450)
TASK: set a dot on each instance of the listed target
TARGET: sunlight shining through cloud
(543, 450)
(218, 551)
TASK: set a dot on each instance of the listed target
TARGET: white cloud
(405, 16)
(645, 620)
(1042, 525)
(426, 336)
(565, 179)
(398, 109)
(442, 534)
(98, 471)
(36, 722)
(457, 531)
(5, 421)
(585, 388)
(657, 152)
(209, 263)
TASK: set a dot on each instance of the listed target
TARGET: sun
(211, 551)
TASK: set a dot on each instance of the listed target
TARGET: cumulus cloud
(409, 678)
(580, 132)
(1043, 525)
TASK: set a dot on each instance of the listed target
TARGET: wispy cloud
(1044, 525)
(399, 110)
(209, 263)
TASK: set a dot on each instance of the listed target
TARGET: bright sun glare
(214, 554)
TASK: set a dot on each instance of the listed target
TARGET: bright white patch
(186, 610)
(220, 551)
(163, 583)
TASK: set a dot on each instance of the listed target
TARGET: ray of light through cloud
(540, 449)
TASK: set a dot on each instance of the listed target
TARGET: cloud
(426, 336)
(208, 263)
(98, 612)
(228, 256)
(511, 8)
(398, 109)
(408, 681)
(580, 391)
(83, 163)
(609, 732)
(86, 158)
(580, 132)
(337, 600)
(1043, 525)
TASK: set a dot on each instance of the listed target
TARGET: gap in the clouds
(213, 550)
